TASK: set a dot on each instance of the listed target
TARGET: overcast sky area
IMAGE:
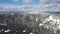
(40, 5)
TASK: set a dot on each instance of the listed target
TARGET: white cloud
(46, 5)
(15, 0)
(10, 8)
(50, 3)
(27, 2)
(24, 8)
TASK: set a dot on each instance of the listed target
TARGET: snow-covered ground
(52, 23)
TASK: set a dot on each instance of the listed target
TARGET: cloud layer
(51, 3)
(46, 5)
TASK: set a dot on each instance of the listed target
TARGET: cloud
(18, 8)
(50, 3)
(45, 5)
(25, 8)
(15, 0)
(27, 2)
(10, 8)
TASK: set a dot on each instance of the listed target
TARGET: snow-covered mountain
(29, 23)
(52, 23)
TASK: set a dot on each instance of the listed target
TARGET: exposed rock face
(24, 23)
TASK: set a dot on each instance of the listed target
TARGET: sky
(19, 2)
(40, 5)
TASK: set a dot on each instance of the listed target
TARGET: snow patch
(30, 33)
(41, 24)
(24, 30)
(7, 30)
(36, 19)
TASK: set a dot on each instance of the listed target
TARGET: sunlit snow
(36, 19)
(35, 12)
(7, 30)
(24, 30)
(30, 33)
(41, 24)
(52, 22)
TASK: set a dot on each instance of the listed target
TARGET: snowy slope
(52, 23)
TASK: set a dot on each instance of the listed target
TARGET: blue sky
(10, 2)
(19, 3)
